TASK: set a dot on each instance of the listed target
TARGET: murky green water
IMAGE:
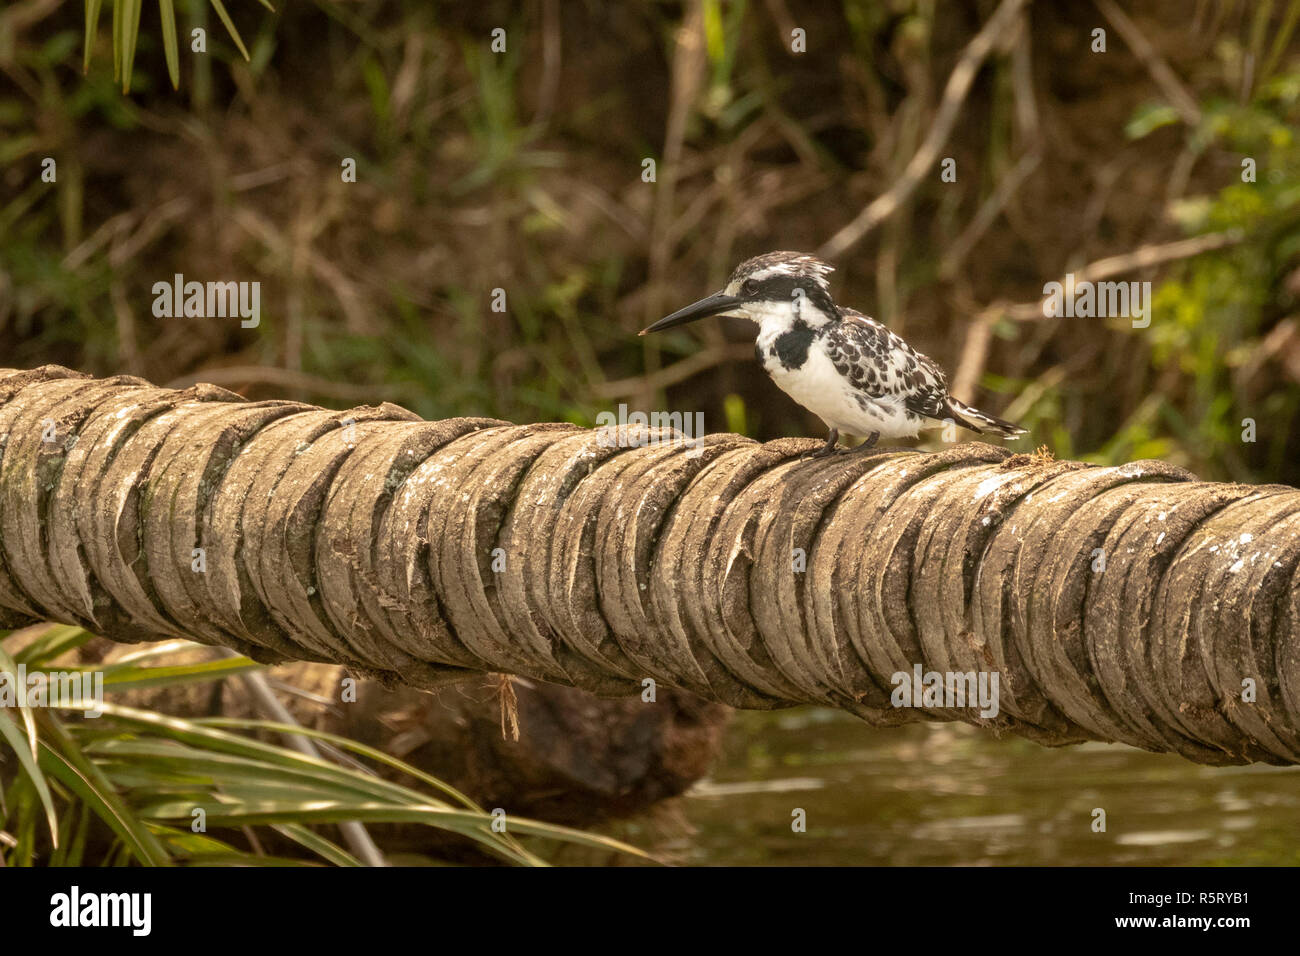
(953, 794)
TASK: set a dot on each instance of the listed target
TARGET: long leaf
(117, 39)
(344, 743)
(284, 757)
(167, 13)
(92, 27)
(145, 760)
(130, 34)
(461, 821)
(148, 652)
(30, 763)
(76, 850)
(464, 822)
(230, 27)
(311, 840)
(138, 677)
(57, 639)
(197, 733)
(10, 666)
(25, 748)
(72, 768)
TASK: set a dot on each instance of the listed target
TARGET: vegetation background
(522, 171)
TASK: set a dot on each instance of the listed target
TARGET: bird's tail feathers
(978, 421)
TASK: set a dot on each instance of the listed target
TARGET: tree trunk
(1131, 604)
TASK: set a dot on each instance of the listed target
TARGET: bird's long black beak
(713, 305)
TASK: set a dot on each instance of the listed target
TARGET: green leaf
(22, 745)
(130, 34)
(461, 821)
(92, 27)
(57, 639)
(137, 677)
(311, 840)
(344, 743)
(73, 829)
(189, 845)
(714, 35)
(117, 39)
(212, 739)
(230, 27)
(166, 759)
(1149, 118)
(10, 666)
(71, 767)
(167, 12)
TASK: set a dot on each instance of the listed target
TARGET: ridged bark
(376, 546)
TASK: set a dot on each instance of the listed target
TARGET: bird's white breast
(819, 387)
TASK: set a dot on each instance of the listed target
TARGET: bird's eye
(749, 287)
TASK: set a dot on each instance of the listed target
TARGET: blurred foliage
(1215, 308)
(122, 788)
(126, 34)
(521, 171)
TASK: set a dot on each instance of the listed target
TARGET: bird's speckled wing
(881, 365)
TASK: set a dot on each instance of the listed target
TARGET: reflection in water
(954, 794)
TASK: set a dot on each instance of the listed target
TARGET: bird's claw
(822, 452)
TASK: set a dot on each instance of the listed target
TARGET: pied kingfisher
(845, 367)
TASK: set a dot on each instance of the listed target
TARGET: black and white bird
(845, 367)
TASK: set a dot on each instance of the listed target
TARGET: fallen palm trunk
(1131, 604)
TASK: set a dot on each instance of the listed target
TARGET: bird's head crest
(781, 265)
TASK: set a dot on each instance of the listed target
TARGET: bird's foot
(870, 442)
(826, 451)
(830, 448)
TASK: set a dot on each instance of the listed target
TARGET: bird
(851, 371)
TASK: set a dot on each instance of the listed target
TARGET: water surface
(935, 794)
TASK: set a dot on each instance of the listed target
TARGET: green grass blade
(166, 760)
(230, 27)
(148, 652)
(236, 858)
(135, 677)
(22, 746)
(76, 772)
(168, 14)
(57, 639)
(10, 666)
(130, 34)
(72, 837)
(362, 750)
(92, 27)
(461, 821)
(186, 845)
(23, 826)
(313, 841)
(343, 743)
(464, 822)
(117, 39)
(197, 733)
(76, 851)
(1281, 38)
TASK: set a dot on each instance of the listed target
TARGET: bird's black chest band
(791, 348)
